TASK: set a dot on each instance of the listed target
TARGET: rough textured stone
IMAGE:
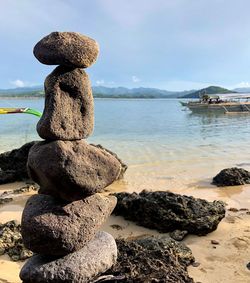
(79, 267)
(178, 235)
(124, 167)
(13, 164)
(52, 227)
(151, 259)
(72, 169)
(232, 177)
(69, 108)
(68, 49)
(11, 241)
(166, 211)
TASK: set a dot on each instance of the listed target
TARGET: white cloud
(100, 82)
(135, 79)
(105, 83)
(18, 83)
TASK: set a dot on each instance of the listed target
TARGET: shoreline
(225, 262)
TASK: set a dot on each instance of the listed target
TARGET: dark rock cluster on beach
(150, 259)
(13, 164)
(61, 222)
(11, 241)
(232, 177)
(169, 212)
(8, 196)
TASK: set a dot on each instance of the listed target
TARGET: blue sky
(168, 44)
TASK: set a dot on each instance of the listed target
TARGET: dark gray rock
(79, 267)
(69, 106)
(166, 211)
(5, 200)
(178, 235)
(151, 259)
(11, 241)
(52, 227)
(232, 177)
(13, 164)
(67, 48)
(71, 170)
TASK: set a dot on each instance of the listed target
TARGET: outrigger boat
(231, 103)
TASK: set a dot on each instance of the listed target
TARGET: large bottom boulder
(232, 177)
(167, 212)
(52, 227)
(150, 259)
(79, 267)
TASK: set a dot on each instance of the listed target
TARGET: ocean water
(164, 146)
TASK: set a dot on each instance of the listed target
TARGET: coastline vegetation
(119, 93)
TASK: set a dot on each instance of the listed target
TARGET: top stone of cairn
(68, 49)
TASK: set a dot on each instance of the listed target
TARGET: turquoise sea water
(163, 145)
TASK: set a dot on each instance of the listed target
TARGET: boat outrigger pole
(20, 110)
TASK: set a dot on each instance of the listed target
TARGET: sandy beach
(225, 262)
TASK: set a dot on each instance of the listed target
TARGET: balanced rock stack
(60, 224)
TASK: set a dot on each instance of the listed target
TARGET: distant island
(208, 90)
(122, 92)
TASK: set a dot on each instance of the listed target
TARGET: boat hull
(223, 107)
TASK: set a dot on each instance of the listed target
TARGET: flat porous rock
(52, 227)
(150, 259)
(166, 211)
(68, 49)
(69, 108)
(232, 177)
(78, 267)
(71, 170)
(13, 164)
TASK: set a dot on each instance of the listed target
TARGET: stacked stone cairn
(60, 224)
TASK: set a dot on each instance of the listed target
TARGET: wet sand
(225, 262)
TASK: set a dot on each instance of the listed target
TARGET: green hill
(208, 90)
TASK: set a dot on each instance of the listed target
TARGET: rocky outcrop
(151, 259)
(232, 177)
(13, 164)
(72, 169)
(81, 266)
(67, 49)
(11, 241)
(69, 108)
(63, 228)
(166, 211)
